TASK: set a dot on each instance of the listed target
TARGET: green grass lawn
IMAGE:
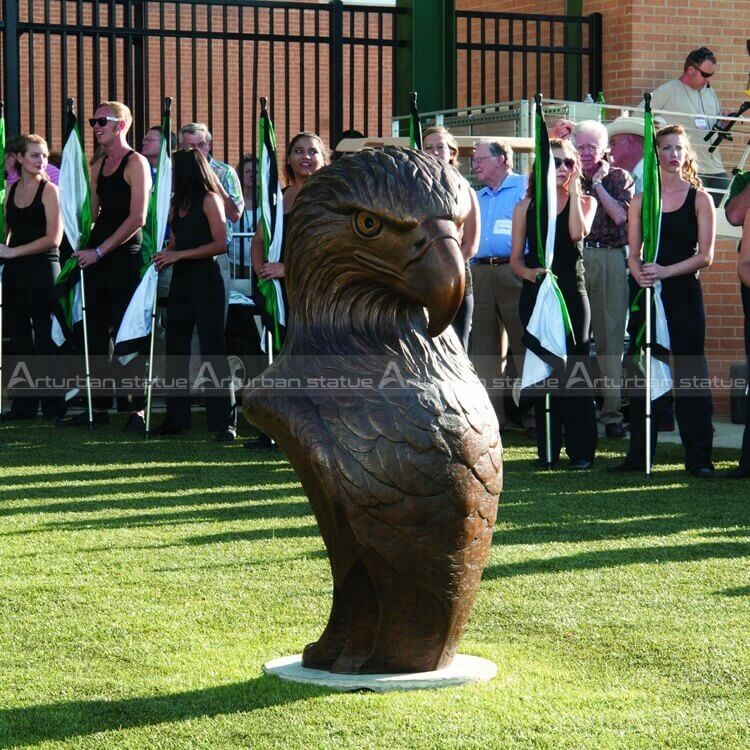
(144, 584)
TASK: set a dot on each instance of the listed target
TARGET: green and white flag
(135, 327)
(75, 208)
(549, 325)
(661, 378)
(269, 294)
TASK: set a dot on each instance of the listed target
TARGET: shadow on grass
(29, 725)
(240, 512)
(739, 591)
(616, 558)
(255, 535)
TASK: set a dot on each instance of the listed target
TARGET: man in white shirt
(692, 93)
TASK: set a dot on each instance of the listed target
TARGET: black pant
(196, 299)
(462, 321)
(683, 306)
(745, 455)
(572, 407)
(27, 305)
(109, 286)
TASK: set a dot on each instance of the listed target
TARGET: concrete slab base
(462, 671)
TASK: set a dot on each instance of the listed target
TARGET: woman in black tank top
(196, 298)
(743, 270)
(686, 246)
(573, 412)
(31, 263)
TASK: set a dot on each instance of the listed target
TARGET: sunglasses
(703, 72)
(568, 162)
(102, 121)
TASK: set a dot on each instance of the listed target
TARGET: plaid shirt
(229, 180)
(619, 184)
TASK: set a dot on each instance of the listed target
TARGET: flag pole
(86, 365)
(649, 416)
(86, 359)
(547, 398)
(415, 124)
(152, 337)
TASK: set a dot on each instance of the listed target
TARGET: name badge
(701, 123)
(502, 226)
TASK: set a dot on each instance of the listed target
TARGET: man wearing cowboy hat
(626, 147)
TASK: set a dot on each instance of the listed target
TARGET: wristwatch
(596, 183)
(99, 253)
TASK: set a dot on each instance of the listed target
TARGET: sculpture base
(462, 671)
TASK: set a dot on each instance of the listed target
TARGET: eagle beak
(437, 276)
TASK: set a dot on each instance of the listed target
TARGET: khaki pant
(607, 289)
(496, 329)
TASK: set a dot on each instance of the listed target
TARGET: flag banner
(67, 307)
(75, 209)
(269, 292)
(661, 379)
(135, 327)
(415, 123)
(549, 325)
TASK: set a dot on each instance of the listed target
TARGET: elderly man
(692, 93)
(626, 147)
(496, 325)
(197, 135)
(604, 257)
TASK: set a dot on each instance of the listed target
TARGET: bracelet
(98, 252)
(596, 183)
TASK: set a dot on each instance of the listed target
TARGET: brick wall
(645, 44)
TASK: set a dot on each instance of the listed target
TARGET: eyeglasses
(102, 121)
(477, 159)
(568, 162)
(703, 72)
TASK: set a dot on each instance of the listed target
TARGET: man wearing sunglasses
(692, 93)
(120, 187)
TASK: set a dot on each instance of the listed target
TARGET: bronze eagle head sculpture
(380, 412)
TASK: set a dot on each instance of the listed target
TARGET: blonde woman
(31, 257)
(686, 245)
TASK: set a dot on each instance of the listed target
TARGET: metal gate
(507, 56)
(324, 67)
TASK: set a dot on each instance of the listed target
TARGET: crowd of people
(597, 263)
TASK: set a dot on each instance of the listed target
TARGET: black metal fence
(324, 67)
(507, 56)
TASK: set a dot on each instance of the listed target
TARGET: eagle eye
(367, 225)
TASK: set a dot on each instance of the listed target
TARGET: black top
(678, 239)
(29, 223)
(567, 263)
(114, 205)
(192, 229)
